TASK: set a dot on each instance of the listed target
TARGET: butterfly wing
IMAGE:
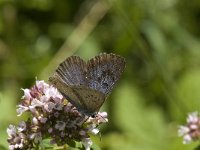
(66, 90)
(86, 100)
(87, 85)
(72, 71)
(90, 99)
(103, 71)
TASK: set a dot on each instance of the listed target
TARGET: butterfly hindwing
(65, 90)
(103, 71)
(91, 100)
(85, 99)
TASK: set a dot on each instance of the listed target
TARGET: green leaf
(2, 147)
(197, 148)
(95, 147)
(138, 122)
(45, 144)
(188, 95)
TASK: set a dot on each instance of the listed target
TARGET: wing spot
(105, 85)
(99, 79)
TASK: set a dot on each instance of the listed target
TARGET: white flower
(87, 143)
(50, 130)
(193, 117)
(22, 126)
(21, 109)
(92, 128)
(27, 94)
(16, 138)
(19, 143)
(100, 117)
(35, 121)
(58, 106)
(11, 147)
(11, 130)
(103, 114)
(36, 103)
(41, 85)
(42, 120)
(32, 109)
(183, 130)
(95, 131)
(190, 132)
(37, 137)
(187, 139)
(44, 98)
(194, 126)
(60, 125)
(52, 92)
(103, 117)
(49, 106)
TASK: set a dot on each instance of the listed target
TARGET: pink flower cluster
(53, 117)
(191, 131)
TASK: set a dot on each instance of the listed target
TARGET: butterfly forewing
(103, 71)
(73, 71)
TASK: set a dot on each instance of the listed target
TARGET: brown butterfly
(87, 84)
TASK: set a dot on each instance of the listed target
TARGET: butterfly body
(87, 84)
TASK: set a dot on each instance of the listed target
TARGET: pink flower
(51, 116)
(27, 94)
(60, 125)
(87, 143)
(191, 131)
(41, 85)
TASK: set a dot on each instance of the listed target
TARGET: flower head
(191, 131)
(53, 117)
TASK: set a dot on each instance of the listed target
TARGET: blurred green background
(160, 40)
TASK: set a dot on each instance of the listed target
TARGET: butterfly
(86, 85)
